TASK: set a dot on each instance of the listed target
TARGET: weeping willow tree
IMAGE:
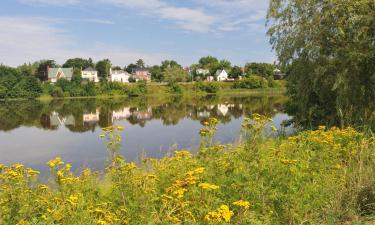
(328, 49)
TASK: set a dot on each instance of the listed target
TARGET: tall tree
(235, 72)
(260, 69)
(328, 47)
(174, 74)
(205, 61)
(42, 71)
(140, 63)
(130, 68)
(169, 63)
(103, 67)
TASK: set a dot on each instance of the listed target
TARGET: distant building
(91, 117)
(210, 78)
(90, 74)
(121, 114)
(278, 75)
(119, 76)
(55, 74)
(203, 72)
(221, 75)
(141, 74)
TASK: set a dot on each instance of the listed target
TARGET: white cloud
(25, 39)
(186, 18)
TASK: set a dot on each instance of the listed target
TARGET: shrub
(57, 92)
(252, 82)
(3, 91)
(175, 88)
(209, 87)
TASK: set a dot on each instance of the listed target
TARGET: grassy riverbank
(316, 177)
(187, 89)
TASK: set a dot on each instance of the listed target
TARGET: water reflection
(32, 132)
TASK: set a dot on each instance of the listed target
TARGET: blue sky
(125, 30)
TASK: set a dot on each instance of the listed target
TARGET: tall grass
(324, 176)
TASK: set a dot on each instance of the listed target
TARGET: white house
(90, 74)
(119, 76)
(55, 74)
(221, 75)
(203, 72)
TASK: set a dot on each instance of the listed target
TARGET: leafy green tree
(157, 73)
(140, 63)
(42, 71)
(28, 69)
(174, 74)
(235, 72)
(78, 63)
(169, 63)
(3, 92)
(328, 48)
(116, 68)
(131, 67)
(207, 60)
(260, 69)
(103, 67)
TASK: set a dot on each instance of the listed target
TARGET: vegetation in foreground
(324, 176)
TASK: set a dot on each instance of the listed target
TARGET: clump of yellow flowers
(315, 177)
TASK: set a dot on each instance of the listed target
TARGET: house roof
(53, 72)
(120, 72)
(140, 69)
(218, 72)
(90, 69)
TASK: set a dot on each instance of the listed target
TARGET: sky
(126, 30)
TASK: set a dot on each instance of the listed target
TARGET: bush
(57, 92)
(175, 88)
(3, 92)
(252, 82)
(209, 87)
(313, 177)
(134, 91)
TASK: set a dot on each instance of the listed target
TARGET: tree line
(28, 80)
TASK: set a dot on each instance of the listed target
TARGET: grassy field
(324, 176)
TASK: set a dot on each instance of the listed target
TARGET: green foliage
(103, 68)
(57, 92)
(140, 63)
(328, 49)
(314, 177)
(78, 63)
(175, 88)
(3, 92)
(130, 68)
(42, 71)
(260, 69)
(251, 82)
(235, 72)
(157, 73)
(209, 87)
(174, 74)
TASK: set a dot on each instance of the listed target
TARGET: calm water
(33, 132)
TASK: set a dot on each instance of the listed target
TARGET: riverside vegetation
(324, 176)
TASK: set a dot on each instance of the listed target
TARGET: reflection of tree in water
(82, 115)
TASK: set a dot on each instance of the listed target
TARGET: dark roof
(89, 69)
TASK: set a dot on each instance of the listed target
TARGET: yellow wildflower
(208, 186)
(242, 203)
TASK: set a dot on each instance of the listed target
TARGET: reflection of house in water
(57, 120)
(143, 115)
(222, 109)
(204, 114)
(122, 114)
(91, 117)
